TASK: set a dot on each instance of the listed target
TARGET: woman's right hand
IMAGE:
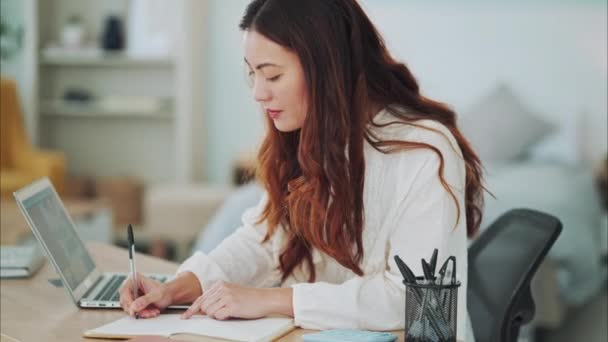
(153, 296)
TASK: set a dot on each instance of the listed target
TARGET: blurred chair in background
(20, 161)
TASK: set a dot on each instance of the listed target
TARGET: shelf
(103, 59)
(97, 109)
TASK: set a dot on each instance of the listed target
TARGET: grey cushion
(228, 217)
(500, 127)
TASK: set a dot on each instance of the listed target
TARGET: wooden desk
(34, 310)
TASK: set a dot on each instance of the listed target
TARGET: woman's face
(277, 79)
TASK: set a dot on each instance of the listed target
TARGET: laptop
(54, 229)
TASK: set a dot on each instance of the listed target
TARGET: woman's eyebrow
(262, 65)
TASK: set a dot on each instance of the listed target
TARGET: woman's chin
(285, 127)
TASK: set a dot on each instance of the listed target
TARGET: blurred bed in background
(532, 163)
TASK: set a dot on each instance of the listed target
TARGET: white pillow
(500, 127)
(565, 145)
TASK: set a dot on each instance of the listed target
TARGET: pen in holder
(430, 303)
(430, 311)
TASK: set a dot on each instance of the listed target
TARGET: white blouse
(408, 212)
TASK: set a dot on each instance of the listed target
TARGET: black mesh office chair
(502, 262)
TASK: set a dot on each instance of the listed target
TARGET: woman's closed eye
(274, 78)
(251, 75)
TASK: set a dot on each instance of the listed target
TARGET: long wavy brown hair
(315, 189)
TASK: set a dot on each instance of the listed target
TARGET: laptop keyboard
(110, 290)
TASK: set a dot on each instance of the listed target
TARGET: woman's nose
(261, 93)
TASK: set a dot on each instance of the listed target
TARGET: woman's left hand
(225, 300)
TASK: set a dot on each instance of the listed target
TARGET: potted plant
(10, 40)
(72, 33)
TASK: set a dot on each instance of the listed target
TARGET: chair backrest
(12, 132)
(502, 262)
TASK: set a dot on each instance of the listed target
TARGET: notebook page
(262, 329)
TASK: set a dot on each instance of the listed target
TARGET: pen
(426, 269)
(132, 262)
(407, 274)
(442, 272)
(434, 261)
(420, 298)
(444, 267)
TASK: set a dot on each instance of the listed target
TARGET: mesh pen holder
(430, 311)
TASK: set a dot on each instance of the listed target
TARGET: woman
(357, 166)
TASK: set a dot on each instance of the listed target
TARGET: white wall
(554, 56)
(234, 123)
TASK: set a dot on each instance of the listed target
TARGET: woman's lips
(274, 114)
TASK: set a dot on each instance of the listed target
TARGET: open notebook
(263, 329)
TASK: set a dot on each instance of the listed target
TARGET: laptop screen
(59, 235)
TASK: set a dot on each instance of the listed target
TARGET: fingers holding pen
(126, 294)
